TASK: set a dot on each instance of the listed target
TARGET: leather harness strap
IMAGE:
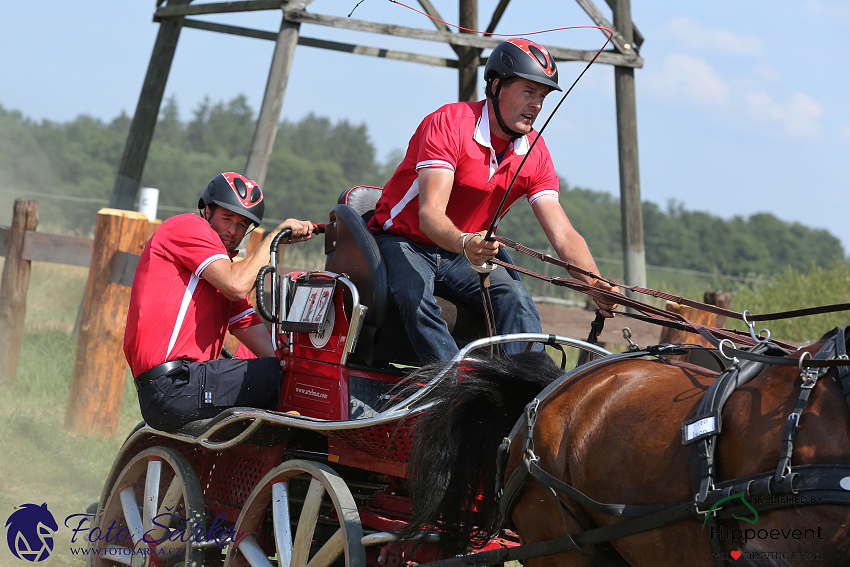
(766, 491)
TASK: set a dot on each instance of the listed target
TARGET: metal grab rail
(404, 409)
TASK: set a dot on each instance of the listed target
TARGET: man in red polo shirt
(433, 212)
(187, 293)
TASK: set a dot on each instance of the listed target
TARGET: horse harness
(766, 491)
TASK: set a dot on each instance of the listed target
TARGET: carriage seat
(351, 249)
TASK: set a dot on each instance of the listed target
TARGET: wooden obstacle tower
(173, 15)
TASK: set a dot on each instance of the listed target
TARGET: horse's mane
(452, 459)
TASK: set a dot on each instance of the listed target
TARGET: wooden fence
(97, 385)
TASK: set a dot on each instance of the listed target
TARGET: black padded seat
(351, 249)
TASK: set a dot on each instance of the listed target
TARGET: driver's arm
(256, 338)
(435, 188)
(236, 279)
(568, 243)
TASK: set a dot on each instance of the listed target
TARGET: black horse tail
(452, 466)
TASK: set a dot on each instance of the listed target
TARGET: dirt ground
(575, 323)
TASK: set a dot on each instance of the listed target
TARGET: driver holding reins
(434, 211)
(187, 293)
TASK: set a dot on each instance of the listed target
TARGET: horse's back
(614, 433)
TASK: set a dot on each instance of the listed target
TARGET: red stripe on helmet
(525, 44)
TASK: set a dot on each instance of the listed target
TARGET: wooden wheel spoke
(131, 514)
(329, 552)
(253, 553)
(282, 526)
(166, 509)
(294, 545)
(149, 504)
(307, 523)
(139, 500)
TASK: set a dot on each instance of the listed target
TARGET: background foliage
(314, 160)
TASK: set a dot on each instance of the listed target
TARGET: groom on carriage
(431, 219)
(186, 294)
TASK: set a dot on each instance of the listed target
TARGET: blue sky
(742, 106)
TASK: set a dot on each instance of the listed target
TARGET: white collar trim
(481, 135)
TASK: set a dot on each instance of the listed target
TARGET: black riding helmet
(236, 193)
(518, 58)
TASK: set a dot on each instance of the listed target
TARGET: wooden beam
(467, 57)
(4, 239)
(55, 249)
(379, 52)
(232, 30)
(634, 253)
(267, 122)
(432, 11)
(139, 138)
(325, 44)
(13, 290)
(599, 18)
(497, 15)
(638, 37)
(468, 40)
(172, 11)
(124, 266)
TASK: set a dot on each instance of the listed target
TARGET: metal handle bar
(401, 410)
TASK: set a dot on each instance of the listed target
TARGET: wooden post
(97, 387)
(13, 292)
(267, 121)
(673, 336)
(634, 256)
(720, 299)
(467, 64)
(147, 111)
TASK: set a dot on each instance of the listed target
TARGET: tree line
(314, 160)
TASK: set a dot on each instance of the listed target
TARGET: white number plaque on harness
(696, 429)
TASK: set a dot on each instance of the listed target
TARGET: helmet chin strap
(494, 97)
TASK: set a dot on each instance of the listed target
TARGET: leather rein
(720, 338)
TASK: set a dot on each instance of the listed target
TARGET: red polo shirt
(456, 137)
(174, 313)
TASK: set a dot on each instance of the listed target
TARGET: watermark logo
(30, 532)
(733, 496)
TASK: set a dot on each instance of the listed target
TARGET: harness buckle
(712, 511)
(530, 421)
(627, 334)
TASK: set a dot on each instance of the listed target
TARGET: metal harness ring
(723, 354)
(802, 358)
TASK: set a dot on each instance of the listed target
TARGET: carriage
(321, 479)
(324, 480)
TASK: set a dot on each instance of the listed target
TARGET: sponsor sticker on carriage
(700, 428)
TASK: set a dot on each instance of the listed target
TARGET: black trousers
(200, 390)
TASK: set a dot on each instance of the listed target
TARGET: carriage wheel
(265, 525)
(154, 513)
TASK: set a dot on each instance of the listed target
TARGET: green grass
(41, 461)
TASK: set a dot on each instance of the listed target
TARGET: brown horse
(613, 432)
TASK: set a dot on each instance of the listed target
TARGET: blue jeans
(415, 272)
